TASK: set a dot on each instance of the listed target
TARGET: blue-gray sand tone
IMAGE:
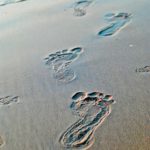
(92, 108)
(118, 21)
(60, 61)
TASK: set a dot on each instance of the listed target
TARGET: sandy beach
(50, 51)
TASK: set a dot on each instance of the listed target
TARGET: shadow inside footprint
(118, 21)
(60, 62)
(5, 2)
(80, 7)
(92, 108)
(144, 69)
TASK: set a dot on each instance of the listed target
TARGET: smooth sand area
(31, 30)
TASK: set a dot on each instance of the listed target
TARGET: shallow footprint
(144, 69)
(80, 7)
(5, 2)
(8, 100)
(118, 20)
(64, 75)
(1, 141)
(92, 110)
(60, 61)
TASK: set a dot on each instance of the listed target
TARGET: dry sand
(31, 30)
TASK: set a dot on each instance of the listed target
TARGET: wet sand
(31, 30)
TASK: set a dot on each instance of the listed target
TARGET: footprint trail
(60, 61)
(92, 108)
(118, 21)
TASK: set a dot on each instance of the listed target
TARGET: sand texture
(63, 64)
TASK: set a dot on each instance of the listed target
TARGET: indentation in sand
(80, 7)
(60, 62)
(92, 108)
(8, 100)
(5, 2)
(144, 69)
(1, 141)
(118, 21)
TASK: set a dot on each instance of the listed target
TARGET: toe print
(60, 62)
(8, 100)
(144, 69)
(118, 21)
(92, 108)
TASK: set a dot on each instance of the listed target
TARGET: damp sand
(31, 30)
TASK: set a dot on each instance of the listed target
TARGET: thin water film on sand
(92, 108)
(60, 61)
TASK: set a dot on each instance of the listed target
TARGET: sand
(33, 29)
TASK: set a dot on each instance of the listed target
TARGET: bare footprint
(118, 21)
(92, 108)
(8, 100)
(60, 62)
(80, 7)
(144, 69)
(5, 2)
(1, 141)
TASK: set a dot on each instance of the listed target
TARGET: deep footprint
(8, 100)
(60, 62)
(92, 108)
(118, 21)
(5, 2)
(144, 69)
(80, 7)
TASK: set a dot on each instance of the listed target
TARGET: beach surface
(35, 107)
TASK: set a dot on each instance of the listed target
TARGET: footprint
(80, 7)
(8, 100)
(60, 62)
(144, 69)
(1, 141)
(5, 2)
(118, 21)
(92, 108)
